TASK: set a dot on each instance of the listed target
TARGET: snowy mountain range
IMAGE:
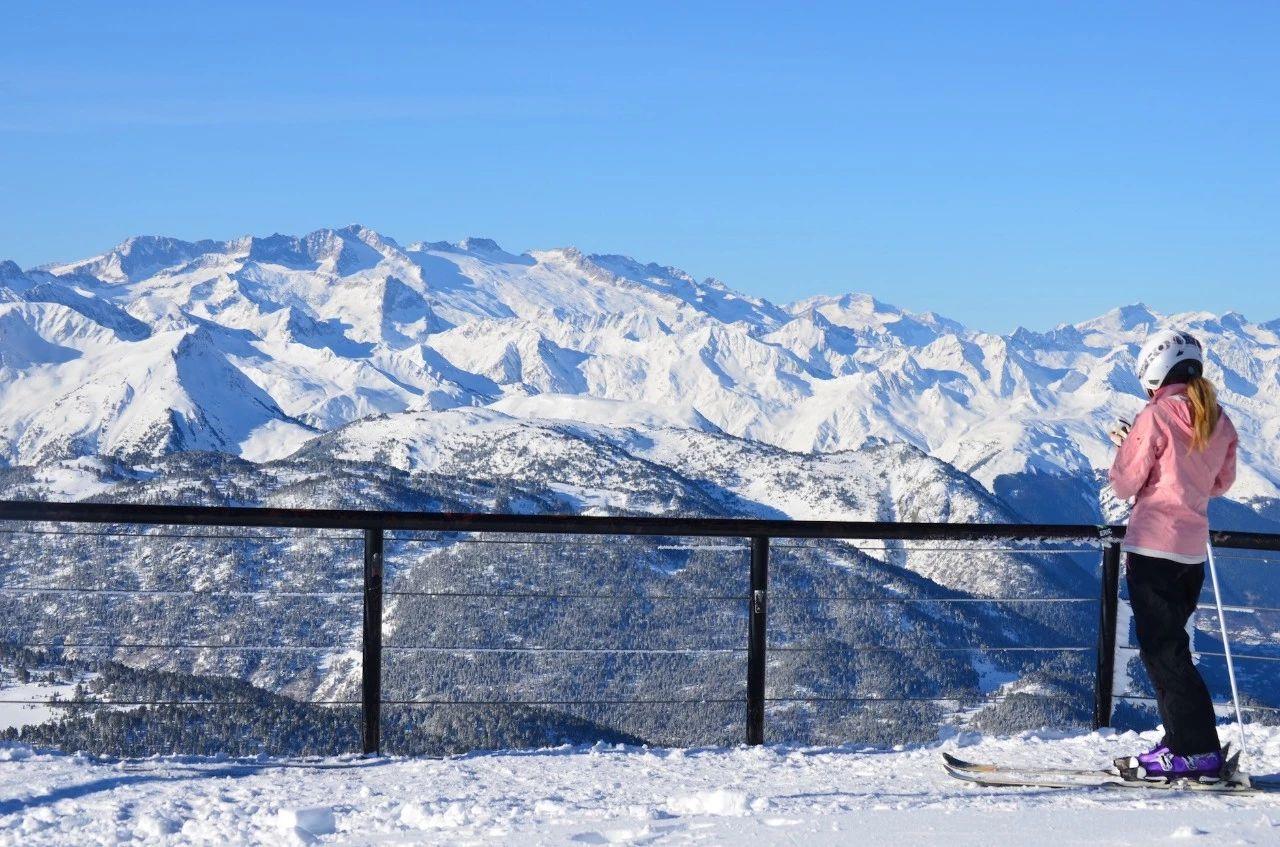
(259, 346)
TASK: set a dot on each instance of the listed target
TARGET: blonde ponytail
(1204, 411)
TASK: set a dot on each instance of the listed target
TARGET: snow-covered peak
(9, 271)
(870, 318)
(473, 244)
(851, 303)
(337, 251)
(138, 257)
(710, 296)
(1124, 319)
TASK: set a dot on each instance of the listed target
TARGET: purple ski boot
(1153, 756)
(1142, 759)
(1162, 765)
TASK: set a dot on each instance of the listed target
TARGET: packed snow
(620, 795)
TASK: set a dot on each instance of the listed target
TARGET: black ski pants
(1164, 595)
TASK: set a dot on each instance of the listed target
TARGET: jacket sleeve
(1136, 456)
(1227, 475)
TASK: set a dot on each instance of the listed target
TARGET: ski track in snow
(608, 795)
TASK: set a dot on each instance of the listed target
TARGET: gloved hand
(1120, 431)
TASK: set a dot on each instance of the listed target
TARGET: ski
(992, 775)
(957, 763)
(1102, 780)
(1031, 779)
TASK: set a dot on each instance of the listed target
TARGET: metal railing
(373, 526)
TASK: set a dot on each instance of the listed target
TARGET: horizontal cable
(737, 597)
(1221, 558)
(1152, 701)
(741, 699)
(1210, 610)
(197, 536)
(875, 648)
(411, 648)
(33, 589)
(866, 648)
(1133, 648)
(773, 596)
(523, 596)
(1235, 655)
(570, 540)
(574, 541)
(1093, 548)
(92, 703)
(955, 698)
(698, 702)
(250, 647)
(162, 592)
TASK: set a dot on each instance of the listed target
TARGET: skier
(1178, 453)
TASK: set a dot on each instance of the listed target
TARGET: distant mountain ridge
(257, 345)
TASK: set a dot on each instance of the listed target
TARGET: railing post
(757, 640)
(1107, 608)
(371, 664)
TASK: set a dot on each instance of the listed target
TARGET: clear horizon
(1022, 166)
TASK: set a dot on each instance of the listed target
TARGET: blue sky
(1002, 163)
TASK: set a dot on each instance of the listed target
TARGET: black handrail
(238, 516)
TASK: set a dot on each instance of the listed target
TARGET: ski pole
(1226, 646)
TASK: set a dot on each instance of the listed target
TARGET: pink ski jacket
(1171, 482)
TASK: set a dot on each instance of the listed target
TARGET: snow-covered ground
(606, 795)
(19, 704)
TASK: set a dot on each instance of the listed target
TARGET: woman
(1178, 453)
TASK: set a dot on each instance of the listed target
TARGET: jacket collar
(1169, 390)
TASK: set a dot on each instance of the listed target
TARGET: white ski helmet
(1165, 350)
